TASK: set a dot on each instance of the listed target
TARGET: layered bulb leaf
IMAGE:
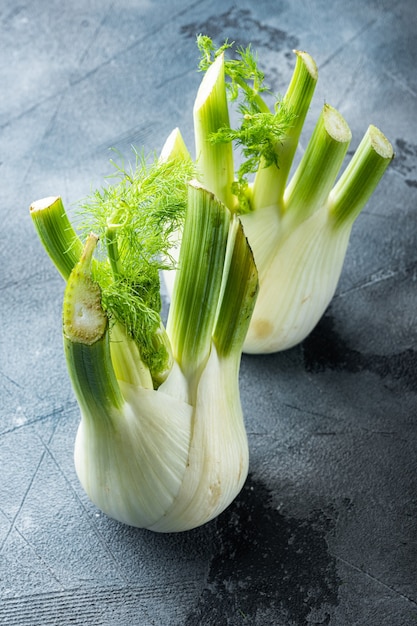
(163, 450)
(300, 243)
(298, 221)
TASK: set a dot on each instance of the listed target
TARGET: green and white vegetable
(299, 226)
(162, 442)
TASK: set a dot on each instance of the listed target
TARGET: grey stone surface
(324, 531)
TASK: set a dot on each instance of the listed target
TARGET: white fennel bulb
(298, 227)
(162, 442)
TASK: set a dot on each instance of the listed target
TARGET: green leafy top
(135, 219)
(243, 71)
(261, 129)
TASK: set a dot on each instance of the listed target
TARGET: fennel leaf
(261, 130)
(135, 219)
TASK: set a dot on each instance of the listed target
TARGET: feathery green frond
(135, 219)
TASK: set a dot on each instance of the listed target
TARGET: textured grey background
(324, 532)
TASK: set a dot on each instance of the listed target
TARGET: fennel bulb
(298, 228)
(161, 443)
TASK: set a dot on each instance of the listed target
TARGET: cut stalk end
(84, 320)
(316, 173)
(174, 147)
(214, 161)
(361, 177)
(335, 125)
(56, 233)
(44, 203)
(269, 184)
(309, 63)
(380, 143)
(208, 85)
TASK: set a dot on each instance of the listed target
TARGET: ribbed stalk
(113, 249)
(214, 161)
(86, 340)
(314, 177)
(269, 184)
(126, 359)
(65, 249)
(238, 295)
(56, 233)
(361, 176)
(92, 376)
(198, 281)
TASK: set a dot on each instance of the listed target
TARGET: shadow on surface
(266, 564)
(325, 349)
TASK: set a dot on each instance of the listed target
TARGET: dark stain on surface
(240, 24)
(267, 568)
(326, 349)
(405, 161)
